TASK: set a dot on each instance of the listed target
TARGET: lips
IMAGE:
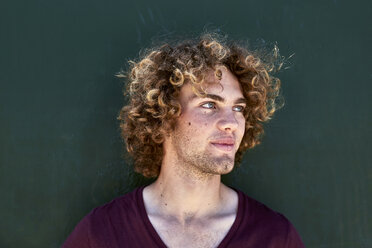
(224, 144)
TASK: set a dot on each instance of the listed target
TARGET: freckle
(189, 123)
(166, 204)
(161, 195)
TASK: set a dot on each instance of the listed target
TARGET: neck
(184, 193)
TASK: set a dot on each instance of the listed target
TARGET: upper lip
(224, 141)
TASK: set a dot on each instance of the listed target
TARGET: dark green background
(60, 150)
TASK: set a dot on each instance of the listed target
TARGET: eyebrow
(218, 98)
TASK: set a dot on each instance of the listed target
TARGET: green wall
(60, 150)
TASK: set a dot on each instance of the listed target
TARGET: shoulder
(265, 224)
(260, 213)
(102, 223)
(123, 205)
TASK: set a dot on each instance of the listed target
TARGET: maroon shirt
(123, 222)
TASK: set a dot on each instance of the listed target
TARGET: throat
(184, 204)
(208, 232)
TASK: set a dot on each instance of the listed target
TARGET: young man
(194, 108)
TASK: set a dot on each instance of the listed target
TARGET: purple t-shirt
(123, 222)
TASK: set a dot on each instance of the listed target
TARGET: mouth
(224, 146)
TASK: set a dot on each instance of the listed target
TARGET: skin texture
(188, 205)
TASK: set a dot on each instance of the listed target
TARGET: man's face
(209, 131)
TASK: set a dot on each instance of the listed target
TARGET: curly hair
(154, 82)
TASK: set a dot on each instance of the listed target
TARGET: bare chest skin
(208, 233)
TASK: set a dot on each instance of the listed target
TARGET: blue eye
(209, 105)
(238, 108)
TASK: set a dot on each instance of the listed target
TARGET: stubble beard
(201, 163)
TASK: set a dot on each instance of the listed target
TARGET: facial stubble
(197, 159)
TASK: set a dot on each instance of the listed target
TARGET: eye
(238, 108)
(209, 105)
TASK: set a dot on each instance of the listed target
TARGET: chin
(223, 167)
(227, 170)
(214, 165)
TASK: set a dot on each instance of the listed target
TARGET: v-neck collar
(159, 241)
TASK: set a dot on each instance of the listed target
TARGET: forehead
(228, 87)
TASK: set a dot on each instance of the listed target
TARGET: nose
(228, 122)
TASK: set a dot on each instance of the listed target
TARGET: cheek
(197, 119)
(241, 126)
(196, 127)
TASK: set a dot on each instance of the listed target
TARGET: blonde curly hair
(154, 83)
